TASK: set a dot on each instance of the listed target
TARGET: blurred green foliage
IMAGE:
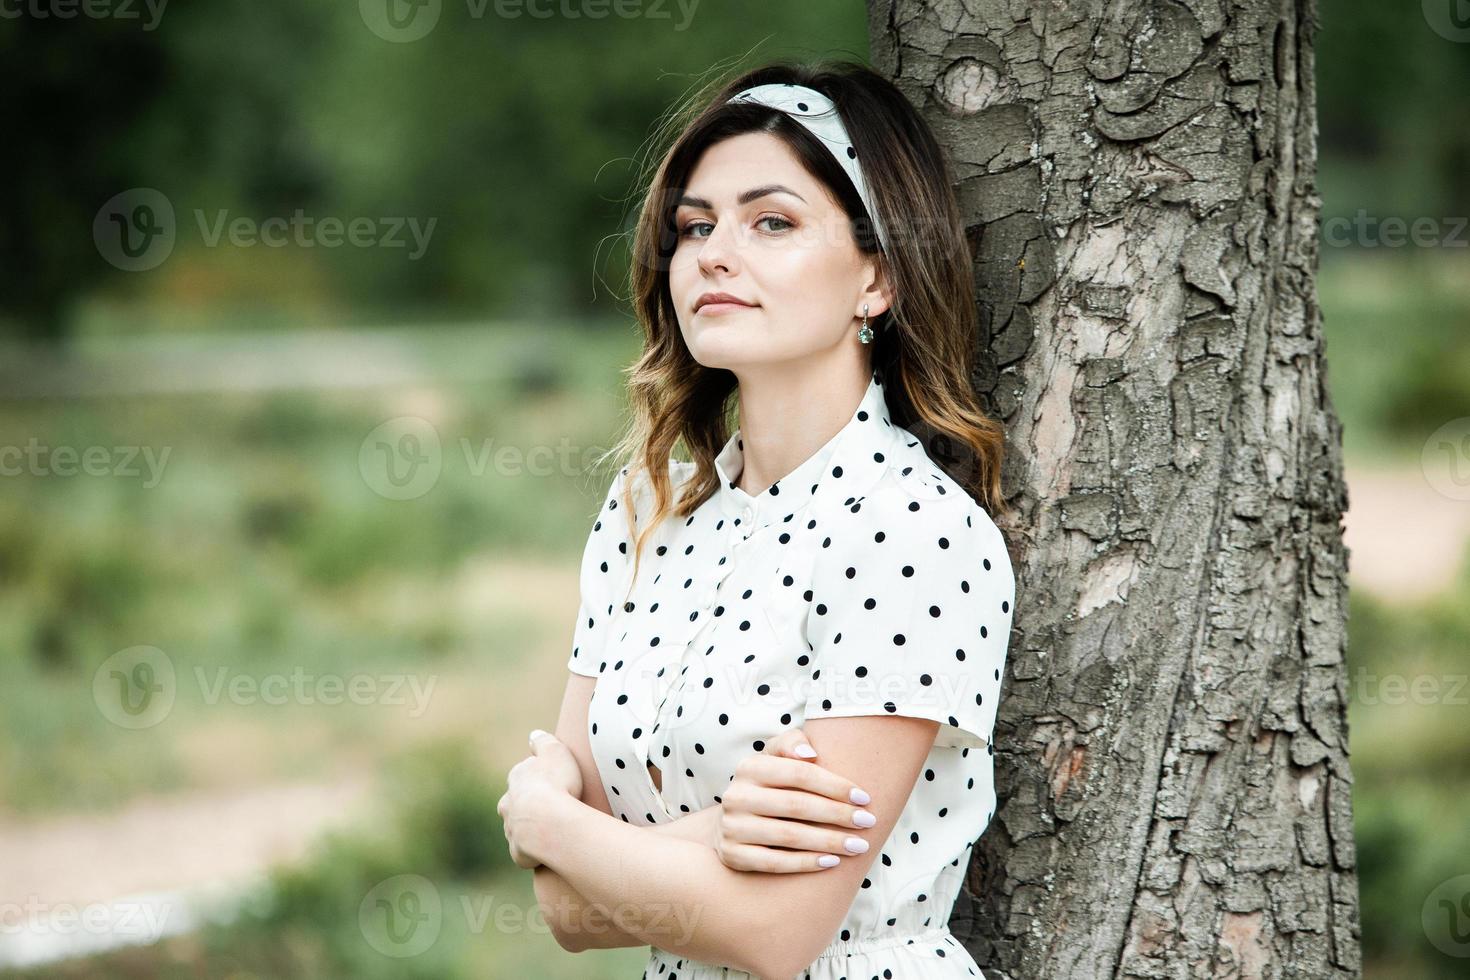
(262, 547)
(518, 136)
(1397, 327)
(1411, 771)
(1393, 111)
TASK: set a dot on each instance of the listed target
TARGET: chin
(720, 336)
(727, 356)
(743, 357)
(736, 342)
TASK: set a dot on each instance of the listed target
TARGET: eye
(688, 231)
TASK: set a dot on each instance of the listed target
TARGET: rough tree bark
(1138, 179)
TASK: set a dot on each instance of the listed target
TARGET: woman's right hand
(784, 813)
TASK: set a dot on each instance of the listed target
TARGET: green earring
(865, 334)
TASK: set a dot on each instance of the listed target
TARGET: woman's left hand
(549, 772)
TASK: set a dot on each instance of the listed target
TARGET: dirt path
(1407, 540)
(175, 842)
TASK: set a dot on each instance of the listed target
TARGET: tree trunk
(1138, 180)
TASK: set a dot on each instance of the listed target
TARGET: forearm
(663, 889)
(698, 826)
(579, 924)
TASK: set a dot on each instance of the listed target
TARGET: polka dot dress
(865, 582)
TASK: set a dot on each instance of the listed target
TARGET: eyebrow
(744, 198)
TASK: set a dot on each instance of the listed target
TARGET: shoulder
(914, 484)
(680, 470)
(913, 468)
(924, 483)
(921, 512)
(918, 507)
(631, 483)
(901, 509)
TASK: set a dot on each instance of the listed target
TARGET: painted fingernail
(805, 751)
(864, 819)
(859, 796)
(828, 860)
(856, 845)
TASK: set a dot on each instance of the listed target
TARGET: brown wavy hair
(924, 345)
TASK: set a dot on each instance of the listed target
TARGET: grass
(1398, 348)
(262, 548)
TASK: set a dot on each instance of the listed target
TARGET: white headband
(817, 113)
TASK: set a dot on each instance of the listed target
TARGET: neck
(787, 414)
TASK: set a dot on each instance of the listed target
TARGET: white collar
(844, 468)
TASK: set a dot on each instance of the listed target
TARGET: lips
(719, 299)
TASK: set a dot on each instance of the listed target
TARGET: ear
(877, 295)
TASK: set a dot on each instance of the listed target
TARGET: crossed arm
(606, 883)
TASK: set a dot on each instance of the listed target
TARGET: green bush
(449, 817)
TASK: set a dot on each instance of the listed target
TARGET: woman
(774, 756)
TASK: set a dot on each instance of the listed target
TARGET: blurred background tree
(518, 137)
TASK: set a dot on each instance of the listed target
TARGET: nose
(720, 249)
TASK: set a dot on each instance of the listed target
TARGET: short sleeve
(911, 613)
(605, 564)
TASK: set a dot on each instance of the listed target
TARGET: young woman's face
(788, 253)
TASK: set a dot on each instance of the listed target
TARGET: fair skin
(718, 885)
(791, 253)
